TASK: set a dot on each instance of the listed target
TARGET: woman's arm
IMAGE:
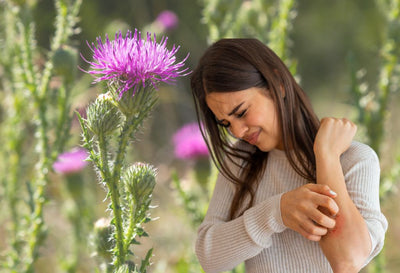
(222, 244)
(348, 244)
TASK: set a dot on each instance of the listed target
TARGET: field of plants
(103, 167)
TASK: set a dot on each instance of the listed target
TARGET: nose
(238, 129)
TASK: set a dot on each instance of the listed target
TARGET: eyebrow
(235, 109)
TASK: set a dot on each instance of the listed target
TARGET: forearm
(348, 244)
(221, 245)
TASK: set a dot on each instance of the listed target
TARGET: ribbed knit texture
(259, 236)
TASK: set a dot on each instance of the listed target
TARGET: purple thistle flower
(189, 143)
(71, 162)
(132, 61)
(167, 20)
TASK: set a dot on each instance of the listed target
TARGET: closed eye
(223, 123)
(241, 114)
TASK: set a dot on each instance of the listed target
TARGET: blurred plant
(35, 119)
(189, 143)
(165, 22)
(190, 146)
(71, 162)
(132, 68)
(103, 243)
(269, 21)
(372, 105)
(70, 165)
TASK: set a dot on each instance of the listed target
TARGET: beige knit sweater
(260, 239)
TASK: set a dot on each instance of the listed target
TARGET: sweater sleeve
(362, 174)
(222, 244)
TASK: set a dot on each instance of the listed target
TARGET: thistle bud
(103, 239)
(65, 60)
(139, 181)
(103, 116)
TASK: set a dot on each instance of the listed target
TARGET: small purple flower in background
(133, 61)
(167, 20)
(189, 143)
(71, 162)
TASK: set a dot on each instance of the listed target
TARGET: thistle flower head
(71, 162)
(131, 61)
(189, 143)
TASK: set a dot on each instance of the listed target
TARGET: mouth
(252, 138)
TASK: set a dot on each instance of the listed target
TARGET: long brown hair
(238, 64)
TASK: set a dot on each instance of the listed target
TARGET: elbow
(352, 263)
(346, 267)
(202, 256)
(205, 252)
(205, 259)
(209, 262)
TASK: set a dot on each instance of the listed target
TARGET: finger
(349, 123)
(314, 238)
(309, 236)
(327, 203)
(312, 228)
(322, 219)
(322, 189)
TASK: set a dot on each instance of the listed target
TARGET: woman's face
(250, 115)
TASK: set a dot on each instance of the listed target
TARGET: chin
(264, 149)
(267, 148)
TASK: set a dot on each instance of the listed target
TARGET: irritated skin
(337, 230)
(348, 244)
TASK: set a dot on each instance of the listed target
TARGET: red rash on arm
(336, 231)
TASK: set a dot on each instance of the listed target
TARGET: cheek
(267, 122)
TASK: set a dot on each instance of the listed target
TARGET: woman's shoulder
(358, 152)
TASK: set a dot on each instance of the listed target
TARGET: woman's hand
(334, 136)
(301, 210)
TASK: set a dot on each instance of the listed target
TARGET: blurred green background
(325, 36)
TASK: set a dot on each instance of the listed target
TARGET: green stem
(129, 126)
(112, 184)
(63, 122)
(119, 236)
(73, 262)
(123, 144)
(103, 158)
(12, 196)
(37, 220)
(131, 229)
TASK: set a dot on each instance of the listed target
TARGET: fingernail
(332, 192)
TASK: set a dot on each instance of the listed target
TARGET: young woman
(295, 194)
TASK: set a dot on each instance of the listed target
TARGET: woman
(294, 194)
